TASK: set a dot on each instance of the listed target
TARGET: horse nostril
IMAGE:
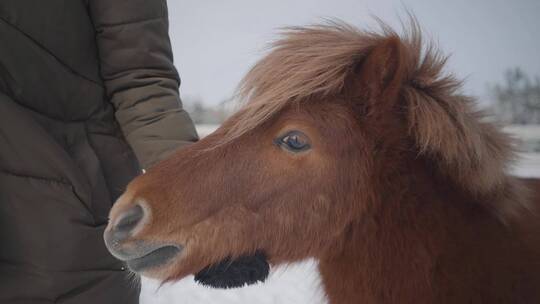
(120, 229)
(128, 221)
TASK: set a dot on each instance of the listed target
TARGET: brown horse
(355, 149)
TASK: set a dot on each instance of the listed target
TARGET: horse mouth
(156, 258)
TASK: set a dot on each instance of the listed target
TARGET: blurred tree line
(206, 114)
(517, 98)
(515, 101)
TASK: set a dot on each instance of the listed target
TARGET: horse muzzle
(139, 255)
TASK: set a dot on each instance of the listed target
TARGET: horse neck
(390, 254)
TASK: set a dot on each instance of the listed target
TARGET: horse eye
(295, 141)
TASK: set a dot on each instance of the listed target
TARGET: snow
(527, 165)
(205, 129)
(296, 283)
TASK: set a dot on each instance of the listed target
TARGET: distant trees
(517, 99)
(206, 114)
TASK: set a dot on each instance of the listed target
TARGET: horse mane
(315, 61)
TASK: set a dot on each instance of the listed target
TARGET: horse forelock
(305, 62)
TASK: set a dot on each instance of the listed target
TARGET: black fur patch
(245, 270)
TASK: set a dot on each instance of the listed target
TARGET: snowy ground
(297, 284)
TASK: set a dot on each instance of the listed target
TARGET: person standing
(88, 97)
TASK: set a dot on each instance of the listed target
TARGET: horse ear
(379, 76)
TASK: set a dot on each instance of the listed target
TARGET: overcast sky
(215, 42)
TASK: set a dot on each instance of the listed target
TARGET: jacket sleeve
(139, 76)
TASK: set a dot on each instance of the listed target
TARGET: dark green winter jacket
(77, 79)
